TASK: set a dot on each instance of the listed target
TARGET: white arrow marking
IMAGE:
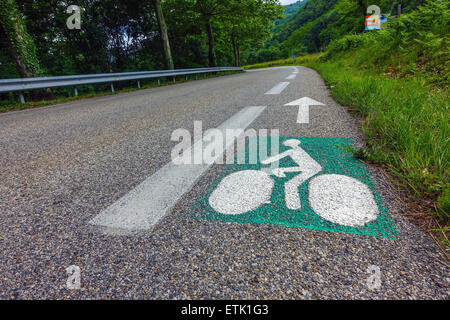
(303, 108)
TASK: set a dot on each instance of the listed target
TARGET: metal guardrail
(23, 84)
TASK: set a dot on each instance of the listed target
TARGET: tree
(163, 33)
(250, 24)
(208, 10)
(21, 45)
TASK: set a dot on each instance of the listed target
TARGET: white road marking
(291, 77)
(306, 166)
(278, 88)
(303, 108)
(241, 192)
(303, 114)
(342, 200)
(336, 198)
(144, 206)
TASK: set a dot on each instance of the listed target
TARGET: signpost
(376, 21)
(373, 23)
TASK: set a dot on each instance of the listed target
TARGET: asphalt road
(62, 166)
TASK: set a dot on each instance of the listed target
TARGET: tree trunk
(212, 53)
(363, 7)
(235, 49)
(21, 45)
(163, 32)
(238, 55)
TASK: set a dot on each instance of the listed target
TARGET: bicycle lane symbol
(318, 185)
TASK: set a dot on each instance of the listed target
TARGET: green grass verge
(406, 124)
(283, 62)
(405, 120)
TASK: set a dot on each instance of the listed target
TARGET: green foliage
(21, 44)
(319, 22)
(444, 202)
(289, 11)
(415, 45)
(284, 62)
(119, 36)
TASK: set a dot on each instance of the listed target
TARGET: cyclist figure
(307, 167)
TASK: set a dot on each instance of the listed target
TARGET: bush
(416, 44)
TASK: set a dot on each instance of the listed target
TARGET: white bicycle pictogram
(336, 198)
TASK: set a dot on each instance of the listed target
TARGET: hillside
(317, 23)
(289, 11)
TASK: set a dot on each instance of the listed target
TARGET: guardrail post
(75, 91)
(139, 84)
(159, 82)
(112, 87)
(22, 99)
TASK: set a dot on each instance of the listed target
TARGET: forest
(134, 35)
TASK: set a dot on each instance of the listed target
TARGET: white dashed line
(291, 77)
(278, 88)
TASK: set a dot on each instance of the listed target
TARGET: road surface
(89, 183)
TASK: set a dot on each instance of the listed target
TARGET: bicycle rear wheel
(242, 192)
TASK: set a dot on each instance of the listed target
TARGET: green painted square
(333, 155)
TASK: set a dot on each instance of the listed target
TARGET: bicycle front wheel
(342, 200)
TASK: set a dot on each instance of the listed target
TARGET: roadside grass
(87, 92)
(406, 122)
(407, 131)
(283, 62)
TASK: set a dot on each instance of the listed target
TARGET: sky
(285, 2)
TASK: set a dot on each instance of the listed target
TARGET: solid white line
(145, 205)
(278, 88)
(291, 77)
